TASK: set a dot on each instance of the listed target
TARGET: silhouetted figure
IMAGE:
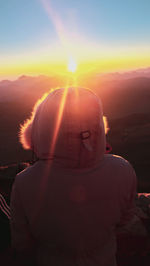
(66, 207)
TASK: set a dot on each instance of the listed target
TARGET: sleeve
(21, 239)
(128, 197)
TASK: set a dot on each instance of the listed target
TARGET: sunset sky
(40, 36)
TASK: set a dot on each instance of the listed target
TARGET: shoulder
(117, 161)
(121, 167)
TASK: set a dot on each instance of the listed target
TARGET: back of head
(67, 126)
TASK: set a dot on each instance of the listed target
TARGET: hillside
(126, 103)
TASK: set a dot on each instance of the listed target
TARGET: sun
(72, 65)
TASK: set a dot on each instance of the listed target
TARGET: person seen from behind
(66, 207)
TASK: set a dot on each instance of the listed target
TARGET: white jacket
(67, 205)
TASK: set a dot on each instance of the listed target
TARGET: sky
(40, 36)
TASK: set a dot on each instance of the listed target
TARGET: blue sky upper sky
(24, 23)
(26, 26)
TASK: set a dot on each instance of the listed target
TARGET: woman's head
(66, 124)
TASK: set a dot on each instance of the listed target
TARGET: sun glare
(72, 66)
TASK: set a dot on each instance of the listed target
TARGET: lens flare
(58, 120)
(72, 66)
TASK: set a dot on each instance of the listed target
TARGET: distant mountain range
(126, 103)
(143, 72)
(121, 93)
(125, 97)
(26, 86)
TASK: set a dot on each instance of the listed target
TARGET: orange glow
(50, 58)
(36, 66)
(106, 126)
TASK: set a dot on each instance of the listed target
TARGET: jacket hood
(67, 126)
